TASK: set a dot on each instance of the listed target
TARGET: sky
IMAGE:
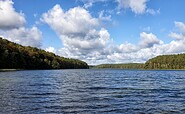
(97, 31)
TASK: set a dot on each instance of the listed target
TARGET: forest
(166, 62)
(15, 56)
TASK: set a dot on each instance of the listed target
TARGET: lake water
(92, 91)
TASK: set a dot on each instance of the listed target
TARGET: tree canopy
(15, 56)
(166, 62)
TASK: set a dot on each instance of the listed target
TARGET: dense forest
(122, 66)
(15, 56)
(166, 62)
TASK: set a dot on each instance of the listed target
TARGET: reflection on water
(92, 91)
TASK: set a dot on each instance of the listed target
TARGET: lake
(92, 91)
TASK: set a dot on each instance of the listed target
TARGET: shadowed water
(92, 91)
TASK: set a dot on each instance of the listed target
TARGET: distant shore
(7, 70)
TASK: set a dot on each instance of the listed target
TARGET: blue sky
(97, 31)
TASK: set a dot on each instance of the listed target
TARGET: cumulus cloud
(147, 47)
(181, 34)
(9, 17)
(81, 34)
(76, 21)
(137, 6)
(125, 48)
(177, 36)
(23, 36)
(148, 40)
(12, 26)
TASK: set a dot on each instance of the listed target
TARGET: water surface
(92, 91)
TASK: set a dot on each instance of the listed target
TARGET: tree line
(160, 62)
(122, 66)
(15, 56)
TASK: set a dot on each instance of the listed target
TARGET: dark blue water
(92, 91)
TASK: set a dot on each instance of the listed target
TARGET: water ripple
(92, 91)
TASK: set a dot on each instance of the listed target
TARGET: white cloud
(153, 12)
(175, 47)
(104, 17)
(176, 36)
(76, 21)
(126, 48)
(148, 47)
(12, 26)
(23, 36)
(9, 17)
(51, 49)
(81, 34)
(148, 40)
(89, 3)
(137, 6)
(180, 26)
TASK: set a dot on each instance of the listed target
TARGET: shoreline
(8, 70)
(141, 69)
(11, 70)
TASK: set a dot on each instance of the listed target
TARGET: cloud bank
(84, 38)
